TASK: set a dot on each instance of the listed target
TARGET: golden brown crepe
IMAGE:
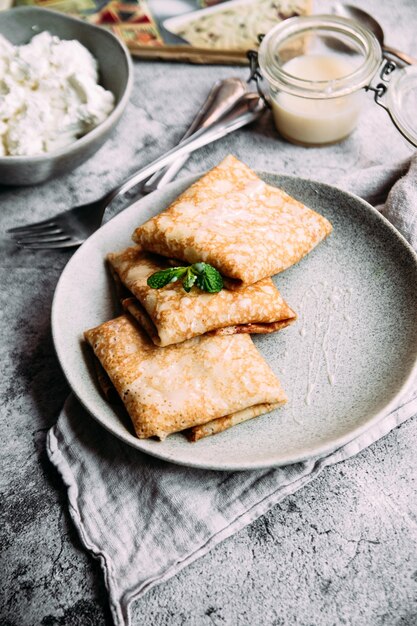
(171, 315)
(166, 390)
(106, 386)
(231, 219)
(223, 423)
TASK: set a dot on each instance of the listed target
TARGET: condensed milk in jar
(316, 68)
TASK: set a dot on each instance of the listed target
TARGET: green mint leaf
(206, 277)
(199, 267)
(189, 279)
(163, 277)
(210, 279)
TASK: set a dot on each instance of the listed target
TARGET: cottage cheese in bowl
(49, 95)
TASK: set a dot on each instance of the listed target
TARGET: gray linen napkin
(393, 191)
(145, 519)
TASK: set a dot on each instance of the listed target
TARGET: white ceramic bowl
(19, 25)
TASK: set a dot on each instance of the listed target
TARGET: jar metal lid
(334, 26)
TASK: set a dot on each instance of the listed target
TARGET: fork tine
(45, 232)
(71, 243)
(43, 237)
(35, 226)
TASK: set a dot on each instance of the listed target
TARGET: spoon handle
(221, 99)
(403, 56)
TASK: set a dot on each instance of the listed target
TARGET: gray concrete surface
(341, 551)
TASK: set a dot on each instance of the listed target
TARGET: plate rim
(320, 451)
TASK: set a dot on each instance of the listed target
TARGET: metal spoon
(222, 98)
(354, 13)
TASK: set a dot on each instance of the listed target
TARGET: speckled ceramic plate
(344, 363)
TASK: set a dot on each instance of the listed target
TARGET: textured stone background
(341, 551)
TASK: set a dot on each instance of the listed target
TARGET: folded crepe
(171, 315)
(171, 389)
(106, 386)
(231, 219)
(223, 423)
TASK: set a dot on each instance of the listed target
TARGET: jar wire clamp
(380, 93)
(381, 88)
(255, 75)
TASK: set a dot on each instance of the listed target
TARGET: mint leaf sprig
(203, 275)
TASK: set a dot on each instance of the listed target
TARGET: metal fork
(71, 228)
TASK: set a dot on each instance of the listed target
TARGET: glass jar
(316, 68)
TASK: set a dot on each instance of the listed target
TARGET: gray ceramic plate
(344, 363)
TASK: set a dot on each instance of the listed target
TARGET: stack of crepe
(185, 361)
